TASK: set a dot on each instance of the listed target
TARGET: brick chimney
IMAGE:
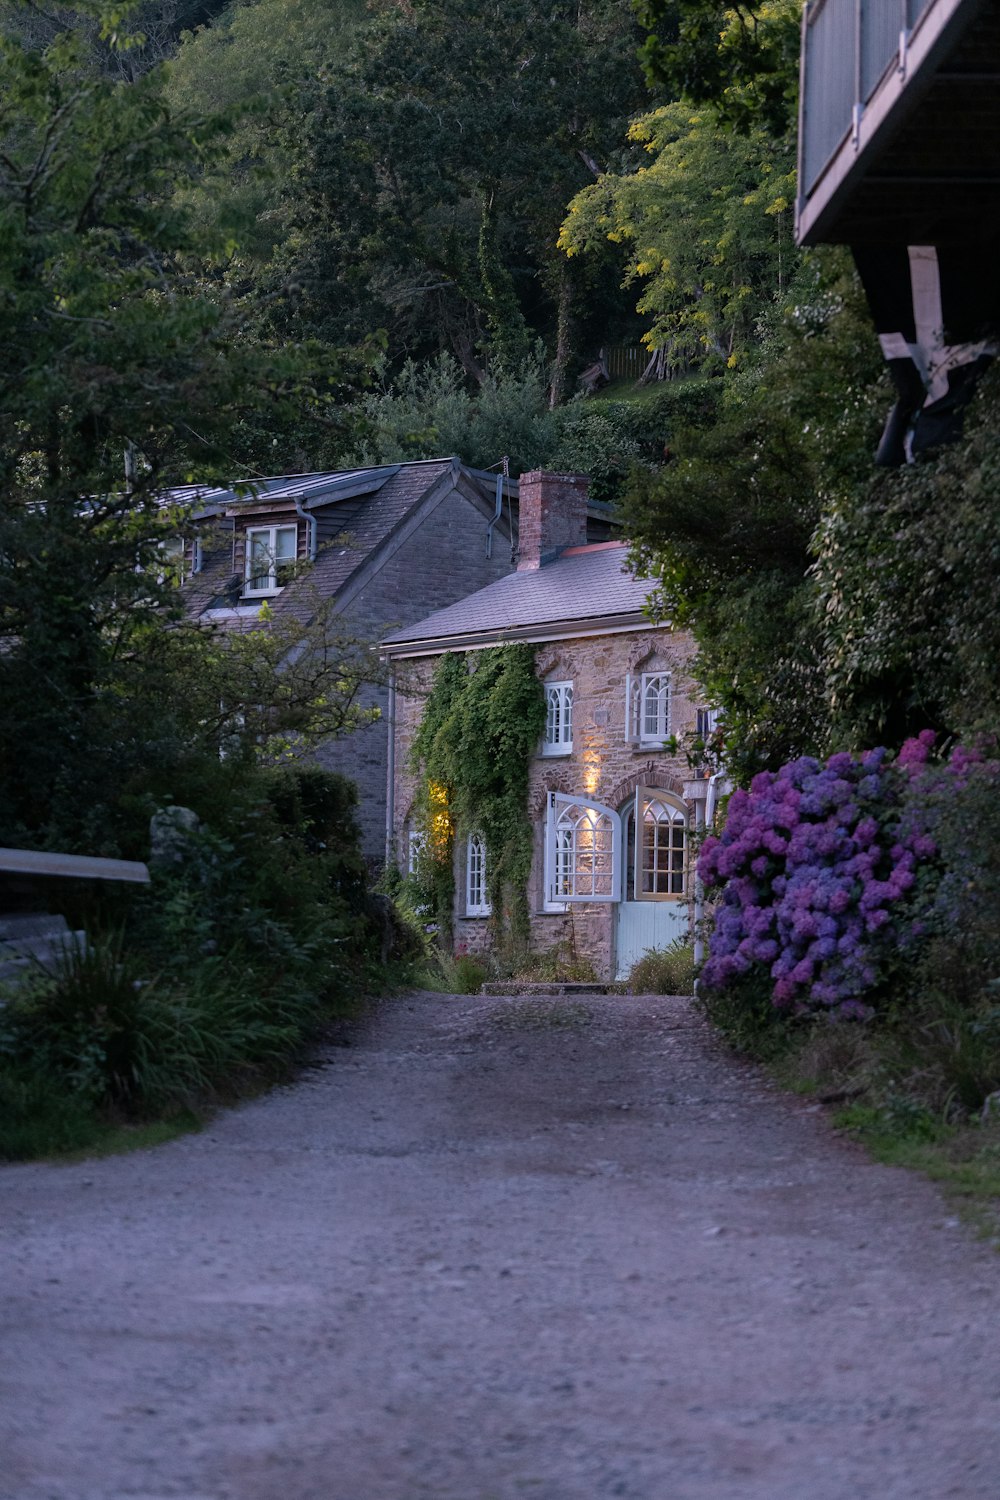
(552, 515)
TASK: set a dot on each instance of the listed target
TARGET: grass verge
(963, 1159)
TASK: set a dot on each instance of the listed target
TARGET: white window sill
(479, 913)
(552, 752)
(232, 612)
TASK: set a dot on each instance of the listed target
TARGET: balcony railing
(848, 47)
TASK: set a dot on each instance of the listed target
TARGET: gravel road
(498, 1249)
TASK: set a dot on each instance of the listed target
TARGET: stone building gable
(603, 765)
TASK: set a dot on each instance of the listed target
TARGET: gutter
(479, 640)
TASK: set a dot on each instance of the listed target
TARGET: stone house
(611, 794)
(387, 545)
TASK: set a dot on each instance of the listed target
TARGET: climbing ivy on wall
(481, 725)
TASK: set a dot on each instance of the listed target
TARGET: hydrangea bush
(818, 867)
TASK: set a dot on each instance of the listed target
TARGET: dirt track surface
(498, 1250)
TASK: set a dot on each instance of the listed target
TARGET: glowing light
(591, 770)
(439, 824)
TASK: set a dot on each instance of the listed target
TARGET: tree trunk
(565, 329)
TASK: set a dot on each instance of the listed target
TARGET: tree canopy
(124, 368)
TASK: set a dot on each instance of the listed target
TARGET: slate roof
(581, 589)
(361, 506)
(309, 489)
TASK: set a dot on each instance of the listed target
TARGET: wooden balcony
(899, 128)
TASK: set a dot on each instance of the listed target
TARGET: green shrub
(87, 1021)
(560, 964)
(454, 974)
(748, 1018)
(664, 971)
(38, 1117)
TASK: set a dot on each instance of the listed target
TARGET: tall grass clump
(664, 971)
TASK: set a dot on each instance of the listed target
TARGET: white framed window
(477, 901)
(706, 722)
(558, 737)
(416, 842)
(271, 554)
(656, 847)
(173, 550)
(647, 708)
(582, 850)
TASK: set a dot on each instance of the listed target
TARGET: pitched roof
(584, 591)
(309, 490)
(360, 508)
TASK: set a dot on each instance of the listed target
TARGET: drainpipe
(703, 796)
(310, 527)
(696, 794)
(390, 792)
(711, 800)
(708, 823)
(502, 478)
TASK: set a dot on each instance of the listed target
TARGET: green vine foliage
(431, 754)
(481, 726)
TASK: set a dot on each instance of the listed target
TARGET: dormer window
(271, 554)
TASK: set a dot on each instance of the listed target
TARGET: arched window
(654, 724)
(656, 847)
(558, 736)
(647, 707)
(582, 844)
(477, 902)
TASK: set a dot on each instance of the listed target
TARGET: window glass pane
(661, 869)
(284, 549)
(655, 705)
(260, 560)
(559, 715)
(477, 901)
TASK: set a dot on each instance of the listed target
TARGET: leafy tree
(431, 409)
(440, 159)
(123, 43)
(708, 228)
(726, 526)
(261, 63)
(905, 576)
(739, 56)
(122, 369)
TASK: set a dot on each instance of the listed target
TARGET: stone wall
(603, 765)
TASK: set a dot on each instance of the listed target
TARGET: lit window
(656, 861)
(477, 903)
(582, 844)
(271, 554)
(558, 738)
